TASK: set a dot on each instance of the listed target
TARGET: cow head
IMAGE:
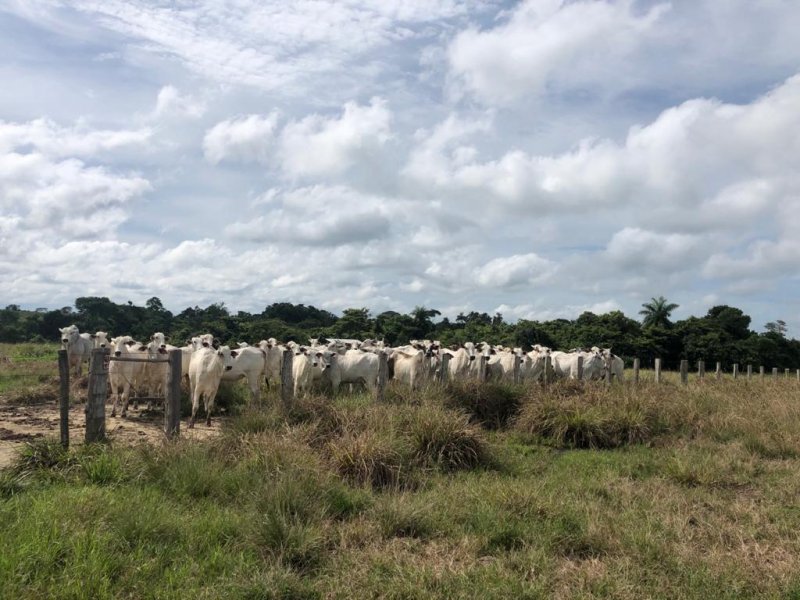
(227, 356)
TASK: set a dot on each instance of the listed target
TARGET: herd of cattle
(205, 363)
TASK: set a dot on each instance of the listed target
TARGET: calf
(125, 375)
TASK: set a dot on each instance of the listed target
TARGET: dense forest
(723, 334)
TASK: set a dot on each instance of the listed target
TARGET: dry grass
(570, 492)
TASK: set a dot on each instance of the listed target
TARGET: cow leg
(195, 406)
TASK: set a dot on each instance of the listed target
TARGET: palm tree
(656, 312)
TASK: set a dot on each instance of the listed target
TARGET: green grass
(572, 492)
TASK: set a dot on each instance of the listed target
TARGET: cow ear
(234, 353)
(205, 344)
(142, 347)
(319, 354)
(92, 335)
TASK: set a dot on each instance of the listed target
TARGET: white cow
(304, 364)
(409, 365)
(534, 363)
(78, 346)
(100, 339)
(274, 351)
(125, 376)
(205, 373)
(460, 360)
(501, 364)
(565, 364)
(615, 364)
(354, 366)
(250, 363)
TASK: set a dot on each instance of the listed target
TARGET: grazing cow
(205, 373)
(125, 375)
(78, 346)
(250, 363)
(354, 366)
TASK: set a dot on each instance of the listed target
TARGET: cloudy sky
(537, 158)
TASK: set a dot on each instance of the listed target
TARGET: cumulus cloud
(316, 145)
(248, 139)
(544, 40)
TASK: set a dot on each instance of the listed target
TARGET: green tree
(657, 312)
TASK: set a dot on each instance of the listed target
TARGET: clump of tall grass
(597, 418)
(444, 439)
(492, 405)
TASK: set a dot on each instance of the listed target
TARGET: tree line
(722, 334)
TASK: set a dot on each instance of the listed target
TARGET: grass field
(466, 492)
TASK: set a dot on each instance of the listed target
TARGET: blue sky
(536, 158)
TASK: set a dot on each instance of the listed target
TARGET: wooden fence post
(63, 396)
(701, 369)
(546, 373)
(580, 368)
(761, 372)
(445, 372)
(517, 361)
(287, 379)
(636, 370)
(482, 368)
(749, 372)
(798, 374)
(97, 392)
(172, 402)
(383, 376)
(658, 370)
(685, 372)
(736, 370)
(774, 373)
(607, 378)
(718, 372)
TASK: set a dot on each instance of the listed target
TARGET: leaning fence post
(685, 372)
(287, 379)
(701, 369)
(636, 370)
(383, 376)
(63, 396)
(580, 368)
(736, 370)
(718, 372)
(658, 370)
(443, 374)
(96, 396)
(172, 403)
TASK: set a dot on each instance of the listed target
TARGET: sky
(537, 158)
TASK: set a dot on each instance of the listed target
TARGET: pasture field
(469, 491)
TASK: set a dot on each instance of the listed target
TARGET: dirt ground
(19, 424)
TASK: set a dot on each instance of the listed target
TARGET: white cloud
(633, 247)
(516, 270)
(543, 40)
(53, 140)
(248, 139)
(171, 101)
(319, 146)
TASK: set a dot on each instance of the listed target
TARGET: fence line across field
(97, 390)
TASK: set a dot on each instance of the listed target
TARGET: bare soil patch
(20, 424)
